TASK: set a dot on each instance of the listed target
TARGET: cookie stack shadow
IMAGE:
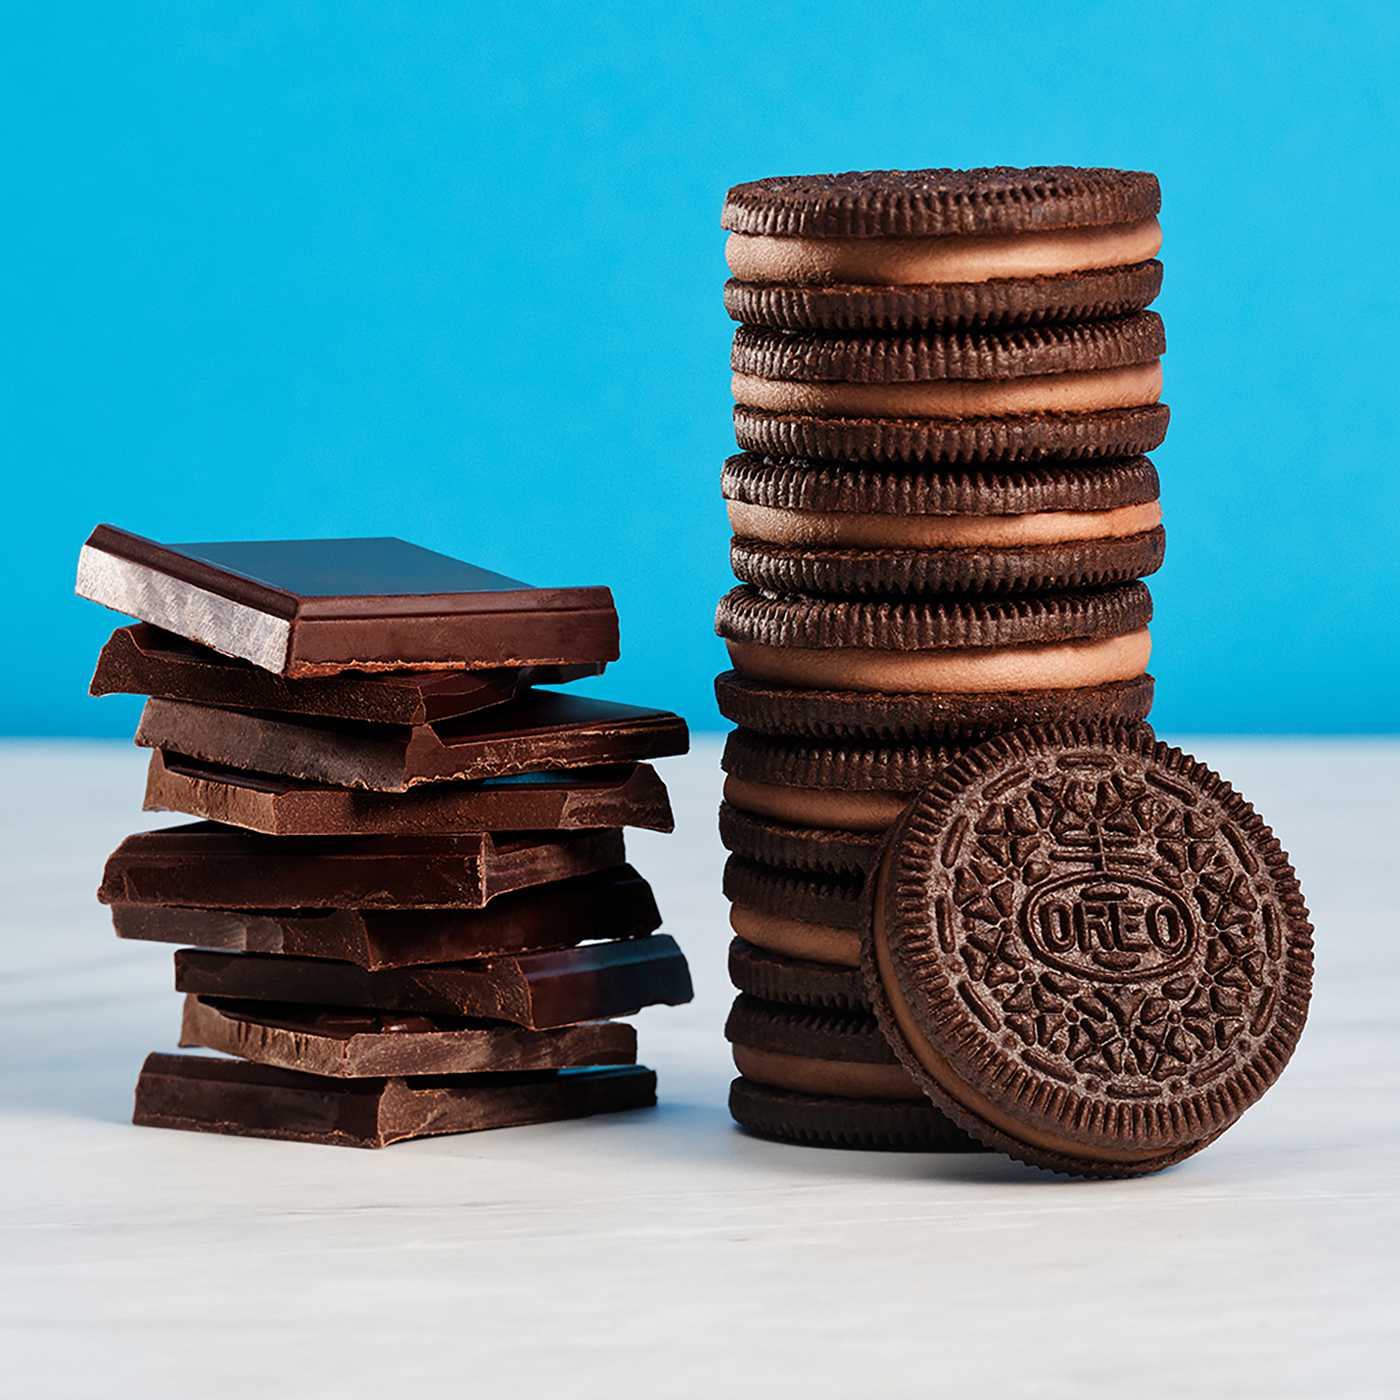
(405, 902)
(945, 383)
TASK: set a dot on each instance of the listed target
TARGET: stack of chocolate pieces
(944, 384)
(406, 897)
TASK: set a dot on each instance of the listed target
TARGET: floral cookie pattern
(1099, 938)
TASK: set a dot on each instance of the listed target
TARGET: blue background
(453, 272)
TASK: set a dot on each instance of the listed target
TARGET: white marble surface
(663, 1254)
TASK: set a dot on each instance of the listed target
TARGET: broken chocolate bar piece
(320, 607)
(615, 903)
(543, 731)
(536, 990)
(144, 660)
(230, 1096)
(279, 806)
(348, 1044)
(220, 867)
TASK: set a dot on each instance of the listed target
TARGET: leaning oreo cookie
(845, 530)
(1049, 641)
(1088, 949)
(792, 711)
(894, 249)
(1078, 390)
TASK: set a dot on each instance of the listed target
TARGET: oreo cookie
(809, 915)
(821, 850)
(793, 711)
(1049, 641)
(854, 787)
(1088, 949)
(807, 1050)
(1076, 390)
(823, 1120)
(795, 981)
(846, 530)
(837, 1060)
(895, 249)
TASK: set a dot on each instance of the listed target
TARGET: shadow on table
(700, 1133)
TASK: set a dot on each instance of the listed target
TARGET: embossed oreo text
(1111, 927)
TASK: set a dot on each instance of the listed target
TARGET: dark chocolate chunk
(612, 904)
(220, 867)
(543, 731)
(143, 660)
(346, 1044)
(1088, 949)
(229, 1096)
(536, 990)
(319, 607)
(280, 806)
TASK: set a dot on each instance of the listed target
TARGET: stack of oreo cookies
(406, 899)
(945, 383)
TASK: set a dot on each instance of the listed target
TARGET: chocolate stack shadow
(944, 384)
(406, 900)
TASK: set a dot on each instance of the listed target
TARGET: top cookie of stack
(896, 250)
